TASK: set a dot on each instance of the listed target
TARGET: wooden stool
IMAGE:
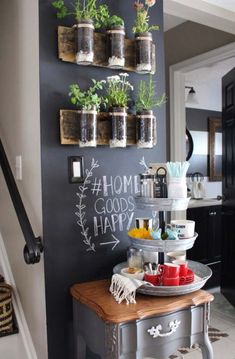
(154, 327)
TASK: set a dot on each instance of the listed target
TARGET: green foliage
(88, 99)
(117, 91)
(62, 10)
(146, 97)
(88, 10)
(142, 18)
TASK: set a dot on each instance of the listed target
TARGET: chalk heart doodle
(113, 206)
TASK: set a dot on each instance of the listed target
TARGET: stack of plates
(188, 279)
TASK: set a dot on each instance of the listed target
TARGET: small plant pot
(85, 42)
(118, 127)
(145, 129)
(88, 128)
(143, 48)
(115, 47)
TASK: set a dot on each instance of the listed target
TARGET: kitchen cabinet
(207, 247)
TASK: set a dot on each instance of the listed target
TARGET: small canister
(147, 185)
(160, 183)
(134, 258)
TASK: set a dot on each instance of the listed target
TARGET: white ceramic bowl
(139, 275)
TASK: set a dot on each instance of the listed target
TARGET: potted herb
(145, 103)
(115, 42)
(117, 96)
(89, 103)
(88, 16)
(143, 35)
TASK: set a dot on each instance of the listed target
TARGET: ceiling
(171, 20)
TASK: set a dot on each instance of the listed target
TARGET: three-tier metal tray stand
(202, 272)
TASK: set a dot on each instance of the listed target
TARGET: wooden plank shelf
(66, 49)
(69, 128)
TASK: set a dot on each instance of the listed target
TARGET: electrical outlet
(18, 168)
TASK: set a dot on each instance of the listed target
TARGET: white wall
(20, 133)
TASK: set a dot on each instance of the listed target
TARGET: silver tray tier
(166, 245)
(202, 272)
(162, 204)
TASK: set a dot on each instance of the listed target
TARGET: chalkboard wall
(85, 237)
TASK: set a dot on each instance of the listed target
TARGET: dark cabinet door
(207, 247)
(199, 251)
(228, 182)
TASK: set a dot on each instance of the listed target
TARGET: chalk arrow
(116, 241)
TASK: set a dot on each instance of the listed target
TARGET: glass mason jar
(118, 127)
(88, 128)
(177, 187)
(116, 47)
(146, 185)
(143, 48)
(145, 129)
(134, 258)
(85, 42)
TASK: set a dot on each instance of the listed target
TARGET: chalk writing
(112, 209)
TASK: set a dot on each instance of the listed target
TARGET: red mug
(169, 270)
(171, 281)
(155, 279)
(183, 267)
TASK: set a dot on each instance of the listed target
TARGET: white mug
(176, 256)
(185, 228)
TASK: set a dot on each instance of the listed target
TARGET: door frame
(177, 95)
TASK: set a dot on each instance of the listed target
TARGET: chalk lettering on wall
(110, 212)
(81, 207)
(143, 163)
(115, 242)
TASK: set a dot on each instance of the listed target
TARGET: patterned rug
(214, 335)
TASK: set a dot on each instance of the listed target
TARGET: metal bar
(33, 245)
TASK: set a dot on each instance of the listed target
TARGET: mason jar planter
(84, 42)
(116, 47)
(145, 129)
(143, 48)
(118, 127)
(88, 128)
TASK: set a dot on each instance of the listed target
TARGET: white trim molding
(203, 13)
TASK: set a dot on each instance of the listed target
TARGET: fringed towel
(124, 288)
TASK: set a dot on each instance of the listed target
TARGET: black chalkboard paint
(76, 251)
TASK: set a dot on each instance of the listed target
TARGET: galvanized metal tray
(162, 204)
(166, 245)
(201, 271)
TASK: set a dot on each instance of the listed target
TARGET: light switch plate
(76, 169)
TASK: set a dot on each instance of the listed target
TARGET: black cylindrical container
(85, 42)
(116, 47)
(145, 129)
(88, 128)
(118, 127)
(143, 52)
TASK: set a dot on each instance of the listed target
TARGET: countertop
(205, 202)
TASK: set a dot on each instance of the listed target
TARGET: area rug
(214, 335)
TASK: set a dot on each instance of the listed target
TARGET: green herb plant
(146, 96)
(88, 10)
(141, 24)
(88, 99)
(117, 90)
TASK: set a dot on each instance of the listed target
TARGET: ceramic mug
(169, 270)
(185, 228)
(155, 279)
(144, 223)
(171, 281)
(183, 267)
(176, 256)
